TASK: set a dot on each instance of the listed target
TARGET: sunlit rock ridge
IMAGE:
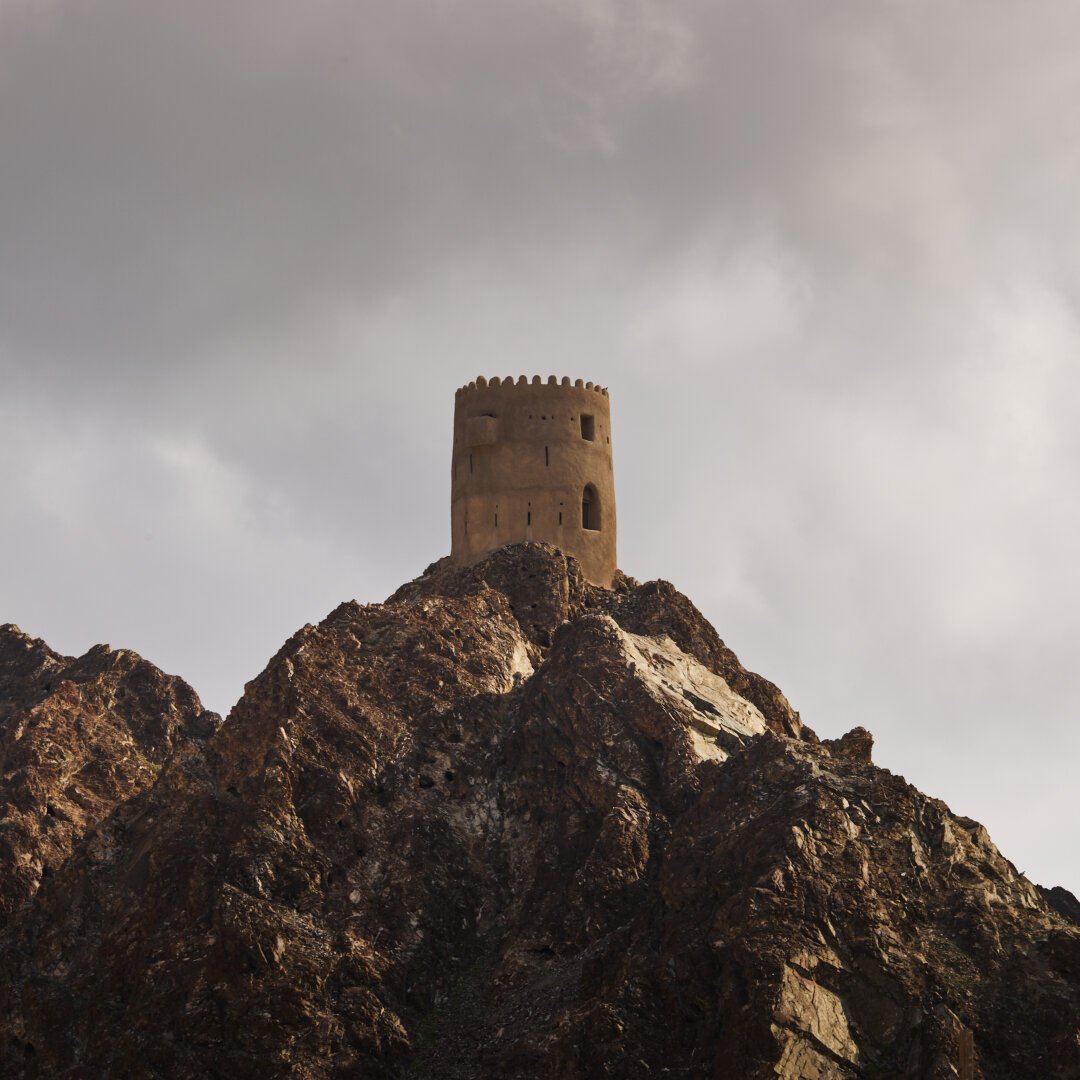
(505, 824)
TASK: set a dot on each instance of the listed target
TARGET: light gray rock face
(719, 719)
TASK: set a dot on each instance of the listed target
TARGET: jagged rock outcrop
(507, 825)
(1062, 901)
(77, 738)
(545, 589)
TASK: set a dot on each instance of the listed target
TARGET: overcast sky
(826, 256)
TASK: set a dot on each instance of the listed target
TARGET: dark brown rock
(856, 745)
(77, 738)
(1062, 901)
(545, 589)
(459, 835)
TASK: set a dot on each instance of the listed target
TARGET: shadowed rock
(1063, 902)
(508, 825)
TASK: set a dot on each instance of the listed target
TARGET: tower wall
(527, 456)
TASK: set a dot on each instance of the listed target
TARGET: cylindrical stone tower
(532, 461)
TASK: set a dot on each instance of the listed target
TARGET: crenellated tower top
(524, 382)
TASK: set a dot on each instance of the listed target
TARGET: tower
(532, 461)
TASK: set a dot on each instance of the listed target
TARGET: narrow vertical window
(547, 457)
(560, 517)
(590, 509)
(470, 463)
(588, 428)
(528, 518)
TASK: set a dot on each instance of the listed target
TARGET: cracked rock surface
(506, 825)
(77, 738)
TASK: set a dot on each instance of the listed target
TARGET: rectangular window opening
(588, 428)
(547, 456)
(528, 520)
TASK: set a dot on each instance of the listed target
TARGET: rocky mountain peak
(508, 824)
(78, 736)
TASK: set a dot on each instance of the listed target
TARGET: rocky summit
(77, 738)
(504, 825)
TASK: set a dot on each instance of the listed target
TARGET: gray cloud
(828, 266)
